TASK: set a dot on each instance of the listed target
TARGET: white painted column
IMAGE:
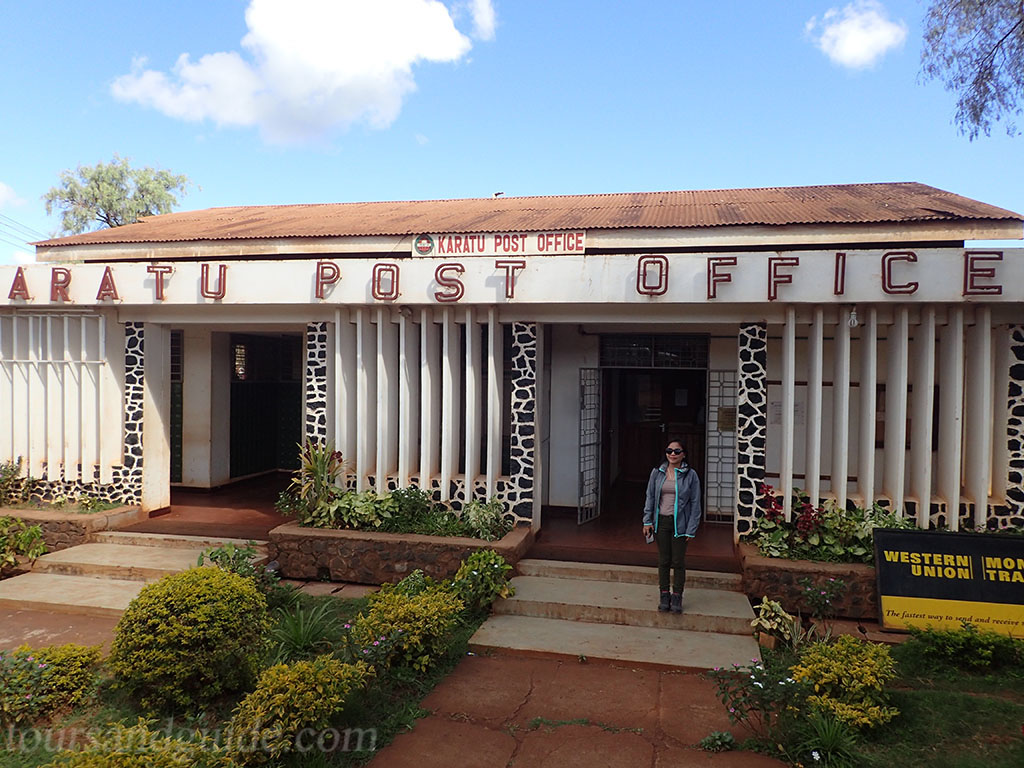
(1001, 361)
(922, 408)
(54, 399)
(868, 407)
(812, 454)
(897, 358)
(220, 398)
(450, 400)
(37, 397)
(111, 427)
(495, 380)
(951, 399)
(387, 397)
(366, 399)
(156, 414)
(430, 399)
(474, 402)
(841, 410)
(19, 392)
(72, 404)
(7, 367)
(197, 397)
(978, 432)
(90, 350)
(788, 403)
(345, 385)
(408, 398)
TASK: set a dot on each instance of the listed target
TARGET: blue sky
(294, 101)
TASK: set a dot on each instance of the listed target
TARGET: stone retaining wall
(364, 557)
(778, 579)
(66, 529)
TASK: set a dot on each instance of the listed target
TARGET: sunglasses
(674, 451)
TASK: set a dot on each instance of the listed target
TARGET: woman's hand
(648, 530)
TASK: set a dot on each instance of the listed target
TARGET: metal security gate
(589, 505)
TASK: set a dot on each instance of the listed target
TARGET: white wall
(570, 351)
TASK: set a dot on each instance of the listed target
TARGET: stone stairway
(102, 577)
(610, 612)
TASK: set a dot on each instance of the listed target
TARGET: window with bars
(658, 350)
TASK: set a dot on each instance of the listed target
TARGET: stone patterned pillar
(128, 478)
(751, 420)
(519, 492)
(316, 382)
(1013, 513)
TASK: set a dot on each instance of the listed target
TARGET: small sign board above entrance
(938, 579)
(500, 244)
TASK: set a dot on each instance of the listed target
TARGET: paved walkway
(504, 711)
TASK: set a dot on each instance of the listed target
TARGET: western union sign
(930, 578)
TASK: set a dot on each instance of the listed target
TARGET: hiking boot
(677, 602)
(665, 602)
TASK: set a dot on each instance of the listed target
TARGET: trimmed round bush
(190, 638)
(138, 746)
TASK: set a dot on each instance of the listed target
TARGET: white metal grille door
(589, 505)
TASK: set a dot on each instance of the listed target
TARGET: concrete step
(632, 574)
(81, 595)
(119, 561)
(648, 646)
(606, 602)
(171, 540)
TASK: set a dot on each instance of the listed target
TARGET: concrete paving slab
(438, 742)
(633, 574)
(603, 695)
(168, 540)
(583, 746)
(118, 561)
(355, 591)
(68, 594)
(652, 646)
(689, 709)
(707, 610)
(488, 689)
(320, 588)
(41, 628)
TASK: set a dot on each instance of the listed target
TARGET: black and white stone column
(315, 429)
(751, 420)
(128, 478)
(1013, 513)
(523, 450)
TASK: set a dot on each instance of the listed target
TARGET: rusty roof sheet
(771, 206)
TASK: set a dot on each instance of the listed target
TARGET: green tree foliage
(976, 48)
(112, 194)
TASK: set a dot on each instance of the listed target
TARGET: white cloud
(8, 196)
(858, 35)
(22, 257)
(309, 66)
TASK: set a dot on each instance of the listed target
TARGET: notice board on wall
(938, 579)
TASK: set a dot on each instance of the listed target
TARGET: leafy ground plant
(19, 540)
(718, 741)
(762, 696)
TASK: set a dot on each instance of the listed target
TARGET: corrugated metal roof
(772, 206)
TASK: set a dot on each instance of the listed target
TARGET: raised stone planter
(364, 557)
(66, 529)
(778, 579)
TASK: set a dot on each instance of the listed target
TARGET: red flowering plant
(824, 533)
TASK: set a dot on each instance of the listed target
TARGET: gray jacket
(686, 511)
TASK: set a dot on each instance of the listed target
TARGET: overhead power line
(35, 234)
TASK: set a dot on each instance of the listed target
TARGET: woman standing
(671, 515)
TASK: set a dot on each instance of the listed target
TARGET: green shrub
(762, 697)
(848, 677)
(481, 579)
(18, 539)
(486, 520)
(967, 647)
(189, 638)
(138, 746)
(420, 624)
(718, 741)
(35, 682)
(288, 699)
(826, 741)
(241, 560)
(14, 489)
(302, 632)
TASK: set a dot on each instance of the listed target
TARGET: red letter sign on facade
(442, 278)
(973, 272)
(887, 284)
(19, 289)
(511, 266)
(60, 279)
(645, 266)
(775, 278)
(384, 283)
(204, 282)
(159, 271)
(107, 288)
(715, 277)
(327, 273)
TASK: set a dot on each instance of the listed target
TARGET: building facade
(843, 340)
